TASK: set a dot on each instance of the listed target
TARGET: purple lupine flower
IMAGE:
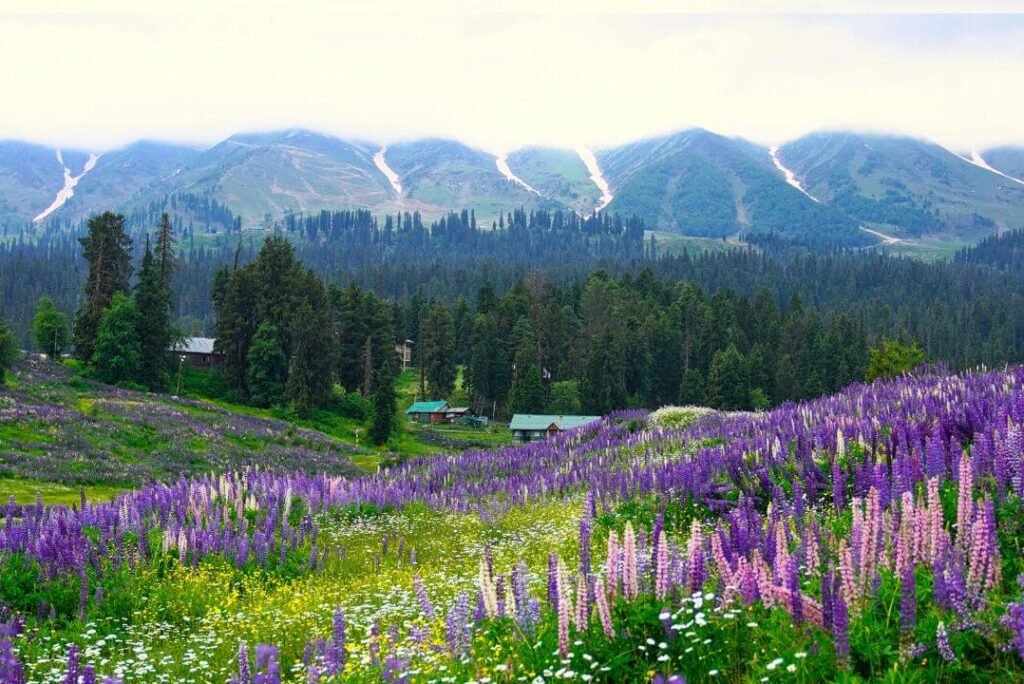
(11, 669)
(244, 673)
(268, 670)
(337, 655)
(584, 543)
(841, 629)
(908, 601)
(1014, 621)
(426, 607)
(827, 607)
(71, 674)
(838, 486)
(942, 643)
(457, 630)
(553, 581)
(793, 585)
(395, 670)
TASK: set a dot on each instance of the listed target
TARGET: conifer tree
(153, 302)
(117, 357)
(268, 366)
(384, 410)
(527, 394)
(437, 351)
(8, 349)
(107, 251)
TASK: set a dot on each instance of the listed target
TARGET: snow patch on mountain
(65, 193)
(590, 161)
(789, 175)
(501, 161)
(979, 161)
(392, 177)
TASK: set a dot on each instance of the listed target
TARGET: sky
(96, 74)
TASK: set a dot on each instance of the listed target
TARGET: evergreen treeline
(609, 343)
(1004, 252)
(122, 334)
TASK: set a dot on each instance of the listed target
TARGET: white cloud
(101, 73)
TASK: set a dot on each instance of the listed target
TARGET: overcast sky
(98, 73)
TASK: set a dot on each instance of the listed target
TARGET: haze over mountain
(829, 188)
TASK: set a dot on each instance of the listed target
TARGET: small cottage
(432, 412)
(197, 352)
(527, 427)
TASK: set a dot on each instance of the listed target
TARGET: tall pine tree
(107, 251)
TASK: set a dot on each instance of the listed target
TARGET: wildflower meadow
(873, 535)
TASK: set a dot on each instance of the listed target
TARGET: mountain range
(826, 188)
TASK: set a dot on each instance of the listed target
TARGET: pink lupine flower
(604, 612)
(661, 579)
(630, 586)
(964, 504)
(564, 610)
(582, 621)
(612, 563)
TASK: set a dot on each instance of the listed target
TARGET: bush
(678, 417)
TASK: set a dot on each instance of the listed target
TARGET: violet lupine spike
(841, 630)
(942, 643)
(11, 669)
(908, 602)
(71, 674)
(337, 654)
(584, 544)
(244, 673)
(426, 607)
(1014, 621)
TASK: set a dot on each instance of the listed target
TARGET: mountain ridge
(829, 188)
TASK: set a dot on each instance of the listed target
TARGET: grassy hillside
(30, 177)
(287, 171)
(903, 186)
(121, 174)
(60, 431)
(558, 174)
(444, 175)
(1009, 160)
(701, 184)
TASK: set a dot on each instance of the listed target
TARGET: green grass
(24, 491)
(674, 243)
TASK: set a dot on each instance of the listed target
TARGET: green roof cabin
(432, 412)
(527, 427)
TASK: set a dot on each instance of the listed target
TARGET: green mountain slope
(903, 185)
(271, 174)
(30, 177)
(1009, 160)
(699, 183)
(445, 175)
(557, 174)
(122, 174)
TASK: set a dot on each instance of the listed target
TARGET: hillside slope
(904, 185)
(557, 174)
(30, 177)
(445, 175)
(699, 183)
